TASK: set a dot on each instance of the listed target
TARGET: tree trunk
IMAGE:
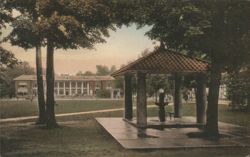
(201, 99)
(141, 105)
(40, 89)
(177, 97)
(50, 100)
(213, 97)
(128, 108)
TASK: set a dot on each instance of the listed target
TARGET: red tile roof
(159, 62)
(75, 78)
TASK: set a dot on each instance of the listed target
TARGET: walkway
(67, 114)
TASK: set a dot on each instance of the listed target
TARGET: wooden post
(177, 97)
(128, 105)
(141, 100)
(201, 99)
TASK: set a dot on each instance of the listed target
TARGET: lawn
(81, 135)
(11, 109)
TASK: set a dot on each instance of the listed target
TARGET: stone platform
(172, 137)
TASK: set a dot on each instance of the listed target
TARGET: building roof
(67, 77)
(164, 62)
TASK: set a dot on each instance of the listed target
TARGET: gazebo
(163, 62)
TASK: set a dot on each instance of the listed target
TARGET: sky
(122, 46)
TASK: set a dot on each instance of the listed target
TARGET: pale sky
(122, 46)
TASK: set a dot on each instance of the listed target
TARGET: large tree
(25, 34)
(68, 24)
(218, 29)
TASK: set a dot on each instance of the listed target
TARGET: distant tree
(154, 83)
(86, 73)
(112, 69)
(79, 73)
(218, 29)
(102, 70)
(8, 85)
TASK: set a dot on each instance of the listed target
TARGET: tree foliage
(214, 28)
(70, 24)
(86, 73)
(7, 59)
(7, 75)
(238, 88)
(102, 70)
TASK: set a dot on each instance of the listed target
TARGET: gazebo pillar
(201, 99)
(141, 106)
(177, 96)
(128, 105)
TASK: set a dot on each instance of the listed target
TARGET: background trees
(238, 88)
(7, 85)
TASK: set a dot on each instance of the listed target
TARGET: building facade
(66, 85)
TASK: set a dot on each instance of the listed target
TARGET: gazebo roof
(164, 62)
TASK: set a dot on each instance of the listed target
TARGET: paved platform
(130, 137)
(185, 122)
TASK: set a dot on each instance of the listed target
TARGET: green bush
(103, 93)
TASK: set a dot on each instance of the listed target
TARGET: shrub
(103, 93)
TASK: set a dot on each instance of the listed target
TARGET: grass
(82, 136)
(11, 109)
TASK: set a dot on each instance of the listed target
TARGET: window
(73, 84)
(84, 84)
(61, 92)
(79, 84)
(66, 84)
(61, 85)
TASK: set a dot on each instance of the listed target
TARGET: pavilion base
(184, 122)
(171, 137)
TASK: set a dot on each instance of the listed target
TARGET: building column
(70, 90)
(64, 88)
(177, 97)
(141, 106)
(87, 88)
(201, 99)
(128, 104)
(58, 88)
(111, 93)
(82, 88)
(76, 92)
